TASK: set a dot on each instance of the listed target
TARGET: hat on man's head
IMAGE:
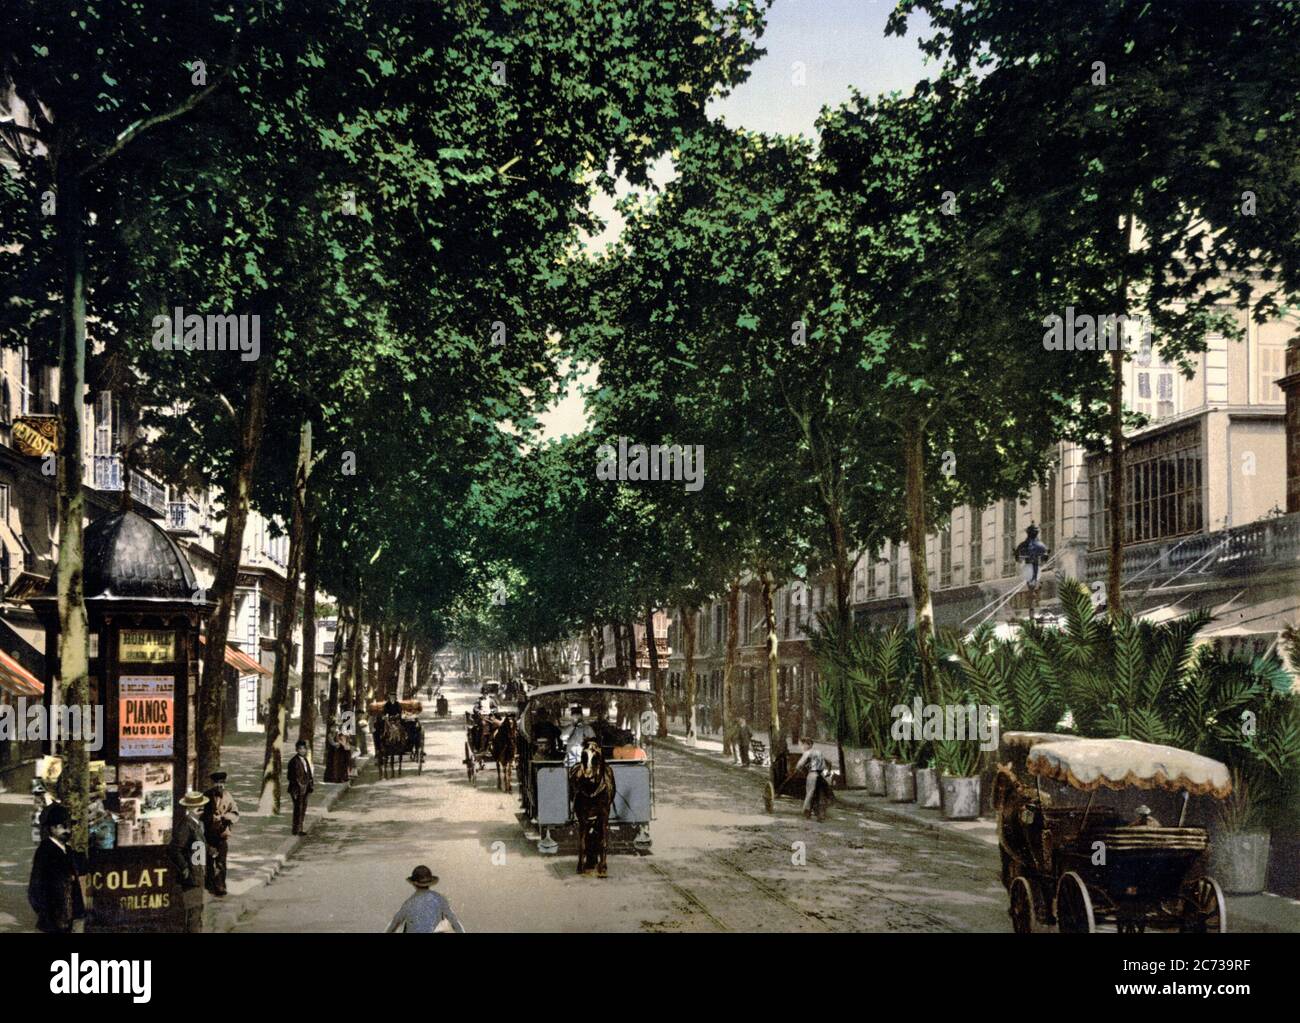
(423, 877)
(193, 800)
(300, 744)
(54, 814)
(218, 776)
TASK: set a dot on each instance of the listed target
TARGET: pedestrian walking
(301, 784)
(425, 912)
(816, 765)
(188, 850)
(219, 816)
(744, 736)
(54, 889)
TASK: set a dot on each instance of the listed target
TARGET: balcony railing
(106, 474)
(1224, 552)
(183, 517)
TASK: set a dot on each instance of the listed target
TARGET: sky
(817, 52)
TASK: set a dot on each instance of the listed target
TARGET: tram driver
(576, 735)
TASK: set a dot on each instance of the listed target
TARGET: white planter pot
(961, 798)
(1239, 861)
(875, 777)
(900, 783)
(927, 788)
(855, 768)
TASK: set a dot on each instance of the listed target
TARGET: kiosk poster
(146, 719)
(146, 646)
(133, 889)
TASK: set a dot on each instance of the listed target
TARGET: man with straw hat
(425, 912)
(189, 855)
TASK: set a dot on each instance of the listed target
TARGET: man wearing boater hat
(219, 816)
(189, 853)
(424, 911)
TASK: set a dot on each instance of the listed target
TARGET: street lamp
(1031, 553)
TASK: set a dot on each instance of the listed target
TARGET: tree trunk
(776, 738)
(277, 711)
(914, 459)
(72, 687)
(591, 652)
(1115, 503)
(341, 639)
(356, 682)
(729, 666)
(619, 667)
(311, 541)
(629, 630)
(688, 640)
(238, 490)
(656, 678)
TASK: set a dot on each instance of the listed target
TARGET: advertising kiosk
(145, 609)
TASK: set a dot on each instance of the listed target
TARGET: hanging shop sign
(146, 715)
(146, 646)
(37, 436)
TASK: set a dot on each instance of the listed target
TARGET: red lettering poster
(146, 721)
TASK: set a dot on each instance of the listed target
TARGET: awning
(17, 680)
(240, 661)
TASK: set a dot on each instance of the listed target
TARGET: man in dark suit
(301, 783)
(54, 890)
(188, 851)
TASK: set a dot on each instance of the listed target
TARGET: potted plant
(927, 782)
(958, 761)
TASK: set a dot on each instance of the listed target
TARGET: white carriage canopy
(1089, 764)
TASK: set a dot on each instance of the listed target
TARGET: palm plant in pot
(1250, 720)
(841, 701)
(956, 758)
(877, 662)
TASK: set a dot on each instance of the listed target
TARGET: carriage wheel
(1204, 910)
(1022, 906)
(469, 762)
(1074, 906)
(769, 797)
(419, 755)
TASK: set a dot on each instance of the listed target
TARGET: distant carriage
(398, 738)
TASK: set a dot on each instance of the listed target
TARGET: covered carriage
(1081, 848)
(398, 738)
(622, 723)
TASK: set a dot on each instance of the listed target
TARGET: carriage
(623, 724)
(405, 740)
(1081, 849)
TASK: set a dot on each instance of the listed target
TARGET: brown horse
(390, 744)
(591, 785)
(505, 747)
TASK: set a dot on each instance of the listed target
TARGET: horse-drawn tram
(586, 765)
(1081, 848)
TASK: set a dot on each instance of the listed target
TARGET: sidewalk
(1266, 913)
(259, 845)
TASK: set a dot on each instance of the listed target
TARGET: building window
(1008, 538)
(976, 544)
(4, 502)
(1272, 366)
(871, 575)
(893, 569)
(945, 558)
(1164, 490)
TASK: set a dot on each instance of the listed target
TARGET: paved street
(714, 865)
